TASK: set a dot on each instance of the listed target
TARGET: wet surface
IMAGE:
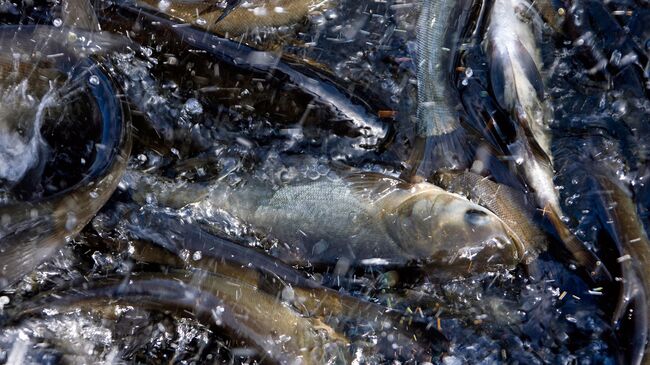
(177, 137)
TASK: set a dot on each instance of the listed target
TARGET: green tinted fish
(360, 217)
(620, 218)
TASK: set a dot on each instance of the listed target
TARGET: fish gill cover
(324, 181)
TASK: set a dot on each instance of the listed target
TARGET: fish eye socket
(476, 217)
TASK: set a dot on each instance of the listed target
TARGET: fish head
(18, 132)
(448, 230)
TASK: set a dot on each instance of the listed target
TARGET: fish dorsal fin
(373, 186)
(502, 69)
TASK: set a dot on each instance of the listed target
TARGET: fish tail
(448, 151)
(584, 257)
(20, 255)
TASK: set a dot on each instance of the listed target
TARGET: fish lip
(514, 238)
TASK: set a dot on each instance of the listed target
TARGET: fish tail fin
(450, 151)
(20, 255)
(230, 6)
(584, 257)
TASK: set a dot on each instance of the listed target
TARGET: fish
(261, 320)
(441, 140)
(237, 18)
(80, 14)
(511, 44)
(509, 204)
(308, 296)
(22, 148)
(32, 230)
(369, 129)
(620, 218)
(356, 216)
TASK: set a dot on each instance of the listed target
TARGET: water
(293, 102)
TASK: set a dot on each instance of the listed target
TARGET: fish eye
(476, 217)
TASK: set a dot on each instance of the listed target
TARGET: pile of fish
(324, 181)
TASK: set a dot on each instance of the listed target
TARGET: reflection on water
(176, 189)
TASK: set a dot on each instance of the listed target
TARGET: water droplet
(94, 80)
(57, 22)
(201, 21)
(193, 106)
(164, 5)
(71, 222)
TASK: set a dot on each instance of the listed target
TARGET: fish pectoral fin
(503, 73)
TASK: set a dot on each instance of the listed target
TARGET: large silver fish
(32, 230)
(512, 46)
(358, 216)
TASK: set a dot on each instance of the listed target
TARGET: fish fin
(501, 68)
(449, 151)
(372, 186)
(20, 255)
(230, 6)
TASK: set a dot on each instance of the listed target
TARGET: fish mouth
(513, 239)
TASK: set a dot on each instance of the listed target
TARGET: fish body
(620, 218)
(246, 264)
(360, 216)
(440, 138)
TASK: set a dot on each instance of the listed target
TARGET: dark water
(280, 104)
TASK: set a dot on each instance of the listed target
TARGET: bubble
(57, 22)
(196, 256)
(201, 21)
(94, 80)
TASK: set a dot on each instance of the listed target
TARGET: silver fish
(512, 45)
(360, 216)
